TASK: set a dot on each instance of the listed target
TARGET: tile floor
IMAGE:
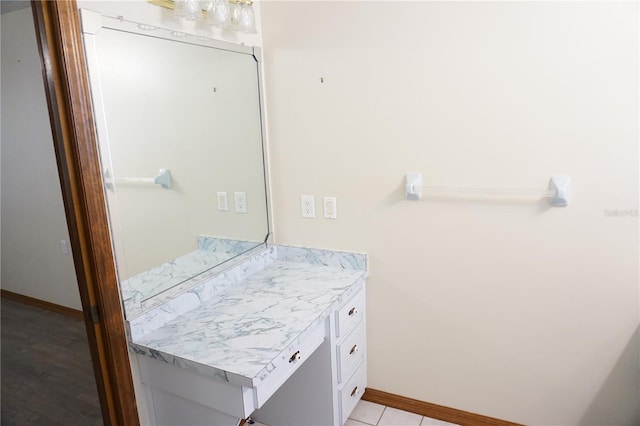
(371, 414)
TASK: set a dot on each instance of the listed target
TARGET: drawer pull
(355, 391)
(353, 311)
(353, 350)
(294, 357)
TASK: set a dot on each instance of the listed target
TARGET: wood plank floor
(47, 377)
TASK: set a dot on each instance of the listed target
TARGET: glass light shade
(247, 19)
(235, 15)
(189, 9)
(221, 13)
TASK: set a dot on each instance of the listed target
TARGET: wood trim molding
(435, 411)
(42, 304)
(69, 99)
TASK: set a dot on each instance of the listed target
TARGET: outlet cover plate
(240, 199)
(308, 206)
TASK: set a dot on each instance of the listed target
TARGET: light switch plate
(330, 207)
(64, 247)
(223, 202)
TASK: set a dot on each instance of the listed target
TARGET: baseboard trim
(27, 300)
(435, 411)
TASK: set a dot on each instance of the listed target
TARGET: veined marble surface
(247, 322)
(212, 252)
(340, 259)
(203, 288)
(206, 242)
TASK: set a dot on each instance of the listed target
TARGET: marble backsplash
(312, 256)
(225, 245)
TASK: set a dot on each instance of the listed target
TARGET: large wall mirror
(180, 138)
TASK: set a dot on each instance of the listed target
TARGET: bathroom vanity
(223, 325)
(278, 337)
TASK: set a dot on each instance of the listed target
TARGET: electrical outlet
(223, 202)
(330, 207)
(308, 206)
(240, 199)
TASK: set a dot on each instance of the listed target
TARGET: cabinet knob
(353, 350)
(355, 391)
(353, 311)
(294, 357)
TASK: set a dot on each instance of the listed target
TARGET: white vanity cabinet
(285, 345)
(179, 396)
(351, 348)
(327, 387)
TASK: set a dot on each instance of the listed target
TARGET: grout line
(377, 423)
(381, 414)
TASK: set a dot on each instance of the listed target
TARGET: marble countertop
(236, 335)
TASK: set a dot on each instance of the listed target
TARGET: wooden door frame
(74, 136)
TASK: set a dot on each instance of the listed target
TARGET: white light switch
(223, 202)
(240, 199)
(330, 207)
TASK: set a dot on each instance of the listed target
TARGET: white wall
(33, 219)
(507, 308)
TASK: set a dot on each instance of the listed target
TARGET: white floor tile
(351, 422)
(395, 417)
(428, 421)
(367, 412)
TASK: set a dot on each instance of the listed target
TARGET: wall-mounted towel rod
(163, 178)
(558, 192)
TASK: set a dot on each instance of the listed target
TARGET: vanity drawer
(351, 352)
(350, 314)
(288, 362)
(351, 392)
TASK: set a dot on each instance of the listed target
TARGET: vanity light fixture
(234, 15)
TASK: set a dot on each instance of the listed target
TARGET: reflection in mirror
(180, 135)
